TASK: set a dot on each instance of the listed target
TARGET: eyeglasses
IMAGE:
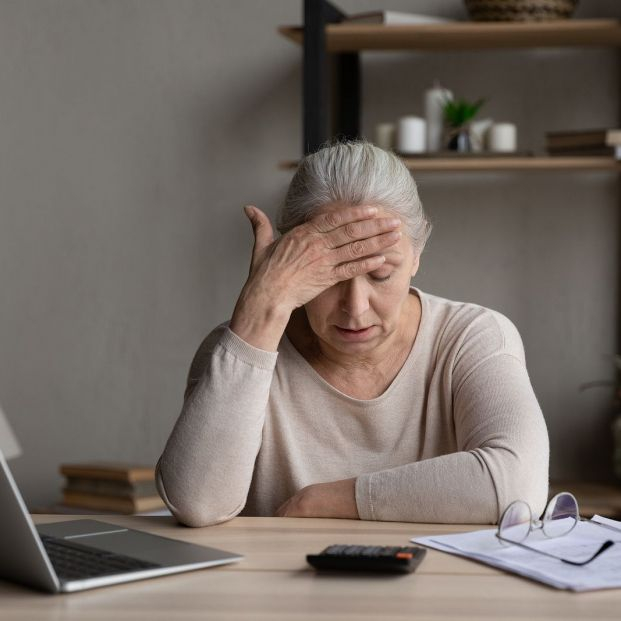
(559, 518)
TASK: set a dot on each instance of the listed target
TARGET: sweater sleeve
(503, 455)
(205, 471)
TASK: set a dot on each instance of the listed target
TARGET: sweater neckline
(403, 371)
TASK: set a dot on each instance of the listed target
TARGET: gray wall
(131, 135)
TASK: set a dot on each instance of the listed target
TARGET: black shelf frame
(331, 82)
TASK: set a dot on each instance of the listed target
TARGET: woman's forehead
(382, 210)
(400, 250)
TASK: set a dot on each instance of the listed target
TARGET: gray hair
(354, 173)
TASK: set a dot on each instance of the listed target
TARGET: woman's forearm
(205, 471)
(259, 321)
(503, 456)
(456, 488)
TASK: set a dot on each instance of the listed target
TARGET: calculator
(379, 559)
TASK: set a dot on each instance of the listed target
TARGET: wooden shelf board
(504, 163)
(466, 35)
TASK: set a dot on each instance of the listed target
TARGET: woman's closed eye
(380, 277)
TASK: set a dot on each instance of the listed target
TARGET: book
(110, 503)
(102, 487)
(584, 138)
(585, 151)
(110, 471)
(393, 18)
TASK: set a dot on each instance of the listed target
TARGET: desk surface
(274, 582)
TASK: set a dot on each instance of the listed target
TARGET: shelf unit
(332, 102)
(491, 164)
(466, 35)
(332, 74)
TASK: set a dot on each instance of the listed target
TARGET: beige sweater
(456, 437)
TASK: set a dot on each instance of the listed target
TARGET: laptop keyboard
(73, 561)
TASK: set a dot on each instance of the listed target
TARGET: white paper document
(580, 544)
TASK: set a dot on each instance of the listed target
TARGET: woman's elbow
(196, 517)
(527, 482)
(193, 512)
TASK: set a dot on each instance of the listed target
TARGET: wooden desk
(275, 583)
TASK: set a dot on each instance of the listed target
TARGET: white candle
(411, 135)
(435, 98)
(502, 138)
(385, 136)
(478, 134)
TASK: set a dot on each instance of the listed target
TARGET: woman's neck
(367, 375)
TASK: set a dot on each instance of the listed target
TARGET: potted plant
(458, 115)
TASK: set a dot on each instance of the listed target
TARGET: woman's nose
(354, 297)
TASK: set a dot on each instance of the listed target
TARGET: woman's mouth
(350, 334)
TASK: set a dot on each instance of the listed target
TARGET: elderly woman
(338, 389)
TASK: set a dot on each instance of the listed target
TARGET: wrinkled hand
(289, 272)
(326, 500)
(331, 247)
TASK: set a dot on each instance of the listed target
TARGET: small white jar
(411, 135)
(502, 138)
(385, 136)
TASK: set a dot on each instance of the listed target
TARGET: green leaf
(458, 112)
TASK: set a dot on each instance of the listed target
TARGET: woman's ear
(415, 266)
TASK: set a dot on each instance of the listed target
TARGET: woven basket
(519, 10)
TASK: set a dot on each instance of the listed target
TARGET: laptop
(84, 554)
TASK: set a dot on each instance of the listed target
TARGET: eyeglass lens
(560, 516)
(515, 522)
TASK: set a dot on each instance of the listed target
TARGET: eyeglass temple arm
(602, 548)
(612, 528)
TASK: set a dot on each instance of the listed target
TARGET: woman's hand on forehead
(348, 240)
(340, 230)
(331, 219)
(286, 273)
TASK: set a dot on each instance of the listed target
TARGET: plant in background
(458, 114)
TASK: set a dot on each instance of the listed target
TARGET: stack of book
(116, 487)
(393, 18)
(603, 142)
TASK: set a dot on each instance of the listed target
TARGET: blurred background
(133, 132)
